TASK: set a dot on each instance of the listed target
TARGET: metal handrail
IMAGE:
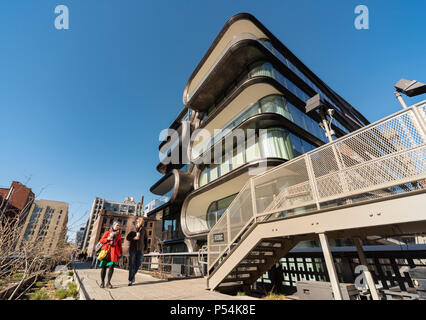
(391, 157)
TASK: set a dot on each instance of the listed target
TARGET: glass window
(214, 172)
(217, 208)
(204, 177)
(268, 104)
(225, 166)
(276, 143)
(296, 144)
(307, 146)
(237, 158)
(252, 150)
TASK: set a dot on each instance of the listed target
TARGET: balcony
(173, 186)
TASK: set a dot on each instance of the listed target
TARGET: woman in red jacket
(112, 243)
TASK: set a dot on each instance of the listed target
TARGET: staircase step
(272, 241)
(248, 260)
(252, 267)
(262, 255)
(265, 248)
(258, 253)
(243, 271)
(236, 279)
(229, 286)
(269, 245)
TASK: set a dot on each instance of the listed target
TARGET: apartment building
(45, 224)
(126, 208)
(79, 237)
(248, 79)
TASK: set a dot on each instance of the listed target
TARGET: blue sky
(81, 109)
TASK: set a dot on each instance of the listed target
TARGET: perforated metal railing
(383, 159)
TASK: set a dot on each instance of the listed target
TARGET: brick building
(17, 199)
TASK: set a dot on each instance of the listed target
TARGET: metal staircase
(358, 185)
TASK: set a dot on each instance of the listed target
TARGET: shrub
(70, 273)
(18, 276)
(39, 284)
(39, 295)
(273, 296)
(72, 290)
(240, 294)
(61, 294)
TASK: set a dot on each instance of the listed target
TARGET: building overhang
(175, 148)
(232, 64)
(237, 25)
(258, 29)
(176, 125)
(195, 206)
(177, 182)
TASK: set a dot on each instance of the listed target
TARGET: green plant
(18, 276)
(70, 273)
(61, 294)
(72, 290)
(240, 294)
(39, 284)
(39, 295)
(273, 296)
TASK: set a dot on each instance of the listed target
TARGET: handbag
(102, 254)
(98, 247)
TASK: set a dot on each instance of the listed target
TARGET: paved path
(146, 287)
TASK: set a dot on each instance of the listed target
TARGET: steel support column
(331, 269)
(368, 277)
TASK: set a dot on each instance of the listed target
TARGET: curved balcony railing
(279, 77)
(269, 104)
(235, 39)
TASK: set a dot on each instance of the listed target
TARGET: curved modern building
(246, 80)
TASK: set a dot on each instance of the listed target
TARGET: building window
(277, 143)
(270, 104)
(216, 209)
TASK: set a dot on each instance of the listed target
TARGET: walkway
(146, 287)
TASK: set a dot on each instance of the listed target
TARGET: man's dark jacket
(137, 245)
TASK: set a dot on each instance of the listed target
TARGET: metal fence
(383, 159)
(389, 265)
(176, 265)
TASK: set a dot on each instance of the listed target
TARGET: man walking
(138, 243)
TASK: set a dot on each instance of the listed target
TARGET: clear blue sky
(81, 109)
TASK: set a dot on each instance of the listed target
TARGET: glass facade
(277, 143)
(266, 69)
(171, 224)
(216, 209)
(269, 104)
(302, 76)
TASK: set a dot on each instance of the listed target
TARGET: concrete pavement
(146, 287)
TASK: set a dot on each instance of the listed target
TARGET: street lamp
(316, 103)
(410, 88)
